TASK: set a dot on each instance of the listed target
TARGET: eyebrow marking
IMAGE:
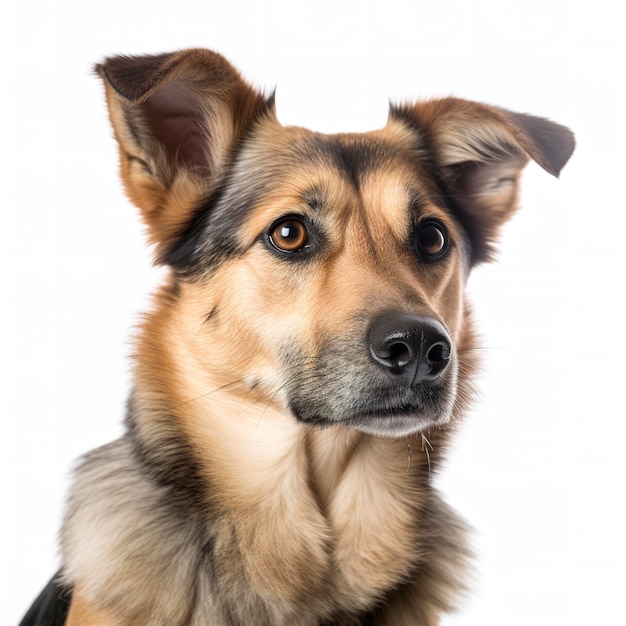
(314, 198)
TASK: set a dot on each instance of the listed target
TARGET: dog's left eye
(289, 235)
(431, 239)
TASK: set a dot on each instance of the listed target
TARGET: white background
(539, 470)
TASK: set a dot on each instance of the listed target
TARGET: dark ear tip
(133, 76)
(556, 144)
(553, 143)
(270, 101)
(568, 145)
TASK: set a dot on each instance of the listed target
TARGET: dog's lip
(409, 408)
(386, 412)
(382, 413)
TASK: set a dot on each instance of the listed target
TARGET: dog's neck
(346, 504)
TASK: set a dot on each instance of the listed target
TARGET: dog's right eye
(289, 235)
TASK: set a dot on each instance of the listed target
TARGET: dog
(305, 362)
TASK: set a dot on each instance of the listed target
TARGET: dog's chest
(370, 497)
(334, 527)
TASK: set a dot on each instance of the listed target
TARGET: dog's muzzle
(396, 378)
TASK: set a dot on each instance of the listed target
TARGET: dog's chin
(394, 427)
(398, 424)
(387, 423)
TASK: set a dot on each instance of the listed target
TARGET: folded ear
(479, 152)
(177, 118)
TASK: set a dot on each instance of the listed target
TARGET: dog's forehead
(375, 169)
(285, 169)
(354, 155)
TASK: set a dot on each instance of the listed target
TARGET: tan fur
(81, 614)
(220, 506)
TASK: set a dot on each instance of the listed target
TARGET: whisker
(240, 381)
(479, 349)
(425, 449)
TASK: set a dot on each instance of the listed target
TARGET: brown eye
(289, 235)
(431, 239)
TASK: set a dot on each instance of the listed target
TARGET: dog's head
(324, 273)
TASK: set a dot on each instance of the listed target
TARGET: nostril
(399, 354)
(391, 352)
(439, 353)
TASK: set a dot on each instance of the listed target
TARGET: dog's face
(340, 278)
(320, 274)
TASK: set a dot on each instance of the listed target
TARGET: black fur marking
(182, 255)
(129, 117)
(174, 289)
(51, 606)
(314, 199)
(355, 156)
(476, 240)
(168, 459)
(212, 316)
(143, 163)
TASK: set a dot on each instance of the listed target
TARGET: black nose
(409, 347)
